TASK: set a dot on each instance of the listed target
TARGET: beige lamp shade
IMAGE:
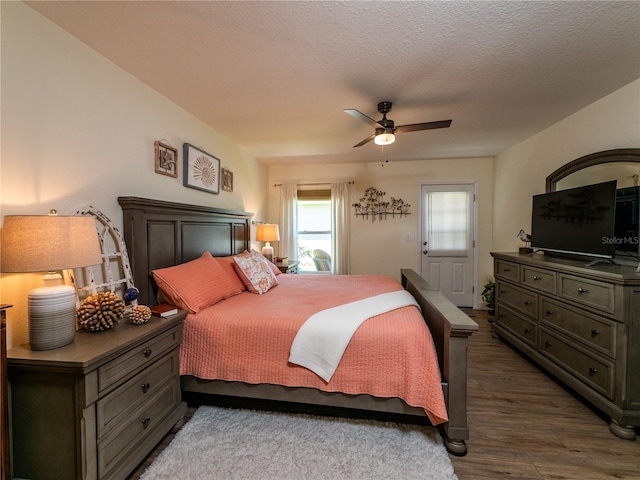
(267, 232)
(45, 243)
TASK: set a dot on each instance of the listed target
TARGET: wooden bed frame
(160, 234)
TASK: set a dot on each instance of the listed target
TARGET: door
(447, 243)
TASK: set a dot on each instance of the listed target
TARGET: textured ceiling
(275, 76)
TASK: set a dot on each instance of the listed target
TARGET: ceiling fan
(386, 129)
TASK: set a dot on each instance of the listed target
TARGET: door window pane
(448, 222)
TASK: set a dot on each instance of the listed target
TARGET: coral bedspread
(248, 337)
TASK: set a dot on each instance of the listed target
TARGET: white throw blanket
(324, 336)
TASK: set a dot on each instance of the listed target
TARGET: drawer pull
(146, 422)
(147, 352)
(595, 332)
(146, 387)
(547, 343)
(506, 269)
(593, 371)
(549, 312)
(582, 290)
(527, 302)
(536, 277)
(526, 330)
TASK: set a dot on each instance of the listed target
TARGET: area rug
(223, 443)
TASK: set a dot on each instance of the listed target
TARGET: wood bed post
(451, 329)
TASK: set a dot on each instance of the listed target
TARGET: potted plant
(488, 295)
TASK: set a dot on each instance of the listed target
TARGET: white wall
(380, 247)
(78, 130)
(520, 172)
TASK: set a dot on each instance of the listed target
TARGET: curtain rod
(350, 182)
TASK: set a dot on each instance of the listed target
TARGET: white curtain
(288, 221)
(340, 237)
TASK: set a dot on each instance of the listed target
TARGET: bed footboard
(451, 329)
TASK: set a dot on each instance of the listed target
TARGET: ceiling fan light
(384, 137)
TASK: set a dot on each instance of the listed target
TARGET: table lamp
(267, 232)
(49, 243)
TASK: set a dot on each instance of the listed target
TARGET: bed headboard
(161, 234)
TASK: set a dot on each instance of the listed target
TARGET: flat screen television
(578, 220)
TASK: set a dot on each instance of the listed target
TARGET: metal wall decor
(374, 205)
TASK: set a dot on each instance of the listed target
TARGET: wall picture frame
(227, 180)
(166, 159)
(201, 169)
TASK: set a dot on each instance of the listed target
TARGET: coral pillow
(272, 265)
(196, 284)
(229, 266)
(255, 272)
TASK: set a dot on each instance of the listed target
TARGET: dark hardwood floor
(523, 423)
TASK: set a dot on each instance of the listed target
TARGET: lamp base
(52, 317)
(267, 252)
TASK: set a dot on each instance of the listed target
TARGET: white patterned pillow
(255, 272)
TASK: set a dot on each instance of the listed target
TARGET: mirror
(622, 164)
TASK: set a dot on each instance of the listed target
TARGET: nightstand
(5, 459)
(95, 408)
(288, 267)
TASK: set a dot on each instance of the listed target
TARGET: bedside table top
(89, 348)
(287, 266)
(288, 263)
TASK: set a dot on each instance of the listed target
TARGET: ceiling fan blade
(361, 116)
(366, 140)
(414, 127)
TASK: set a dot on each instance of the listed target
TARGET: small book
(164, 310)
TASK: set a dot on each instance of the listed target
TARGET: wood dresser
(95, 408)
(580, 323)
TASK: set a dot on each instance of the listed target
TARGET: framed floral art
(201, 169)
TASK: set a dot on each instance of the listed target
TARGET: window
(314, 229)
(448, 223)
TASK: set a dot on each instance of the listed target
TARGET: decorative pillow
(255, 272)
(229, 266)
(274, 269)
(196, 284)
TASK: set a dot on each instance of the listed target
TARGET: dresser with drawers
(95, 408)
(580, 323)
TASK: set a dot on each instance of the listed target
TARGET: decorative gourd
(100, 311)
(140, 314)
